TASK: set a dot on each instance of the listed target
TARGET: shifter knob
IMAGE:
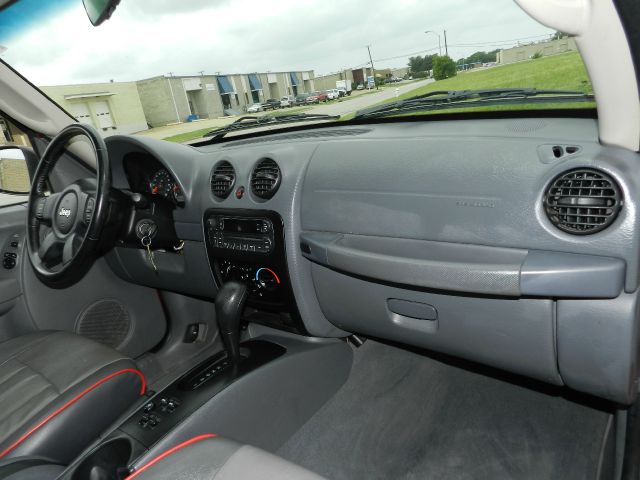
(229, 305)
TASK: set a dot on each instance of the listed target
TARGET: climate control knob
(266, 279)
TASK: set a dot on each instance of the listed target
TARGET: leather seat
(210, 457)
(59, 392)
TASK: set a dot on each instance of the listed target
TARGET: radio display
(235, 225)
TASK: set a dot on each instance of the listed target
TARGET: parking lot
(358, 100)
(363, 99)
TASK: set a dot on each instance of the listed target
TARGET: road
(367, 99)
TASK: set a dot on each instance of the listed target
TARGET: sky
(56, 44)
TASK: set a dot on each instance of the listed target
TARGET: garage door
(104, 114)
(81, 112)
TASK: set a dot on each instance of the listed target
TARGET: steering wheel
(64, 228)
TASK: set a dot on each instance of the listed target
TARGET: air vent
(223, 179)
(265, 179)
(583, 201)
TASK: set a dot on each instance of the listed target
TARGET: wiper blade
(443, 99)
(252, 121)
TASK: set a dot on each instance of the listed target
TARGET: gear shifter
(229, 305)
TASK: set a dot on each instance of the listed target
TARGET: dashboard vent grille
(583, 201)
(300, 136)
(265, 179)
(223, 179)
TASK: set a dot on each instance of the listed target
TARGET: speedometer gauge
(161, 183)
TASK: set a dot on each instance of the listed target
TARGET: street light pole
(439, 45)
(373, 69)
(446, 50)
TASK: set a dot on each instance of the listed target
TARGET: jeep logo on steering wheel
(65, 212)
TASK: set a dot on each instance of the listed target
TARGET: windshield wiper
(442, 100)
(250, 121)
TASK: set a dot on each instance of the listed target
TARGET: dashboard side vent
(223, 179)
(265, 179)
(583, 201)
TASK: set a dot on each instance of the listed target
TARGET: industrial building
(113, 107)
(168, 99)
(357, 76)
(525, 52)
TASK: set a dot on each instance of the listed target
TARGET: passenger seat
(209, 457)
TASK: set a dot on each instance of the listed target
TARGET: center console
(258, 391)
(248, 246)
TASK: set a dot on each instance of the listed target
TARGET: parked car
(256, 107)
(301, 99)
(360, 87)
(287, 101)
(342, 92)
(317, 97)
(271, 104)
(333, 94)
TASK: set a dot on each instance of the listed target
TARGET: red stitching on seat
(71, 402)
(169, 452)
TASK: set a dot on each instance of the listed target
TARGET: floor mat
(402, 415)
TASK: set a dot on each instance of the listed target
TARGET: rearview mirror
(99, 10)
(14, 172)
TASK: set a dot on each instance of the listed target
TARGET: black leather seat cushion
(59, 391)
(209, 457)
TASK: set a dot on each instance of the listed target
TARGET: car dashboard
(509, 242)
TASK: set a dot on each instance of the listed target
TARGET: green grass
(564, 72)
(185, 137)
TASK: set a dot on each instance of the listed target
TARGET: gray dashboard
(432, 234)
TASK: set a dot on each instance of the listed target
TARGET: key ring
(146, 241)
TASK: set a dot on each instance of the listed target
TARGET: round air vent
(265, 179)
(223, 179)
(583, 201)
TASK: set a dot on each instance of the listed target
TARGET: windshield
(178, 70)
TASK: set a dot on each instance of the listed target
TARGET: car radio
(248, 246)
(254, 235)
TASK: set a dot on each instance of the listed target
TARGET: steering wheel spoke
(44, 207)
(71, 246)
(86, 207)
(50, 250)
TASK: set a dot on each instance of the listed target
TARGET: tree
(558, 35)
(482, 57)
(444, 67)
(421, 64)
